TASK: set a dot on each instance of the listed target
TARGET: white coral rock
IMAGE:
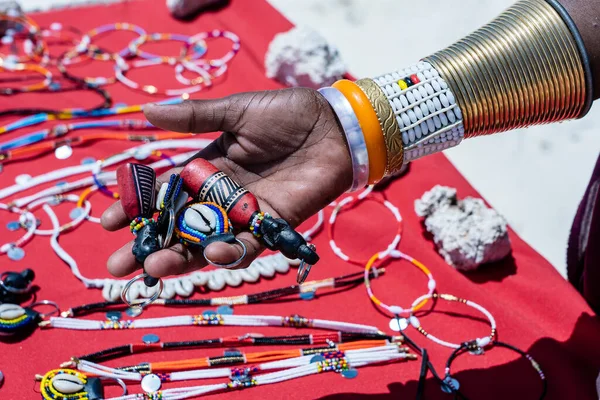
(302, 57)
(466, 232)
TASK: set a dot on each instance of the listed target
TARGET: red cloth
(535, 308)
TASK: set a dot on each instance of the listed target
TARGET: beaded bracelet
(350, 202)
(45, 83)
(216, 33)
(122, 68)
(196, 44)
(69, 58)
(369, 123)
(393, 309)
(425, 109)
(86, 40)
(481, 342)
(452, 384)
(56, 30)
(354, 136)
(204, 77)
(33, 30)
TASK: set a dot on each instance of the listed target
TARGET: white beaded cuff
(354, 136)
(425, 108)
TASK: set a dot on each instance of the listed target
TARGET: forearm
(531, 65)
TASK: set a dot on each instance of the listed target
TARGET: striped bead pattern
(425, 109)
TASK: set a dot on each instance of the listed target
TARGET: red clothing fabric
(535, 308)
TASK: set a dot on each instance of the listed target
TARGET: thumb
(201, 116)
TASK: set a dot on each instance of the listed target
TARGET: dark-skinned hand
(285, 146)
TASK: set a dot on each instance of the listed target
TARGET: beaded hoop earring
(481, 342)
(393, 309)
(452, 383)
(352, 201)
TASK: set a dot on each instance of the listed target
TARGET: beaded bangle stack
(393, 119)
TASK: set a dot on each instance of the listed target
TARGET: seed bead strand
(425, 109)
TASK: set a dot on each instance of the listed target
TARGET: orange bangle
(369, 123)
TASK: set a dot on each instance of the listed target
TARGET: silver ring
(233, 264)
(119, 381)
(135, 303)
(46, 303)
(304, 268)
(12, 289)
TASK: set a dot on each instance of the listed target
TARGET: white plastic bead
(431, 125)
(395, 76)
(444, 119)
(482, 342)
(427, 74)
(414, 68)
(400, 122)
(431, 106)
(421, 76)
(388, 77)
(404, 101)
(405, 137)
(396, 88)
(436, 86)
(416, 94)
(405, 119)
(434, 72)
(389, 90)
(437, 122)
(431, 284)
(397, 105)
(425, 128)
(412, 116)
(422, 92)
(424, 109)
(410, 97)
(451, 117)
(429, 89)
(457, 113)
(418, 132)
(450, 97)
(411, 135)
(418, 112)
(436, 102)
(414, 321)
(442, 83)
(444, 100)
(396, 310)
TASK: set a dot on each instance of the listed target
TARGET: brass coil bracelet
(526, 67)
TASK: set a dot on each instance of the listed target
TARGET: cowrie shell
(200, 218)
(11, 311)
(67, 384)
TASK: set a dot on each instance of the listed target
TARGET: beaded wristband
(354, 136)
(424, 108)
(481, 342)
(24, 68)
(397, 310)
(204, 77)
(71, 59)
(195, 43)
(369, 123)
(389, 126)
(86, 41)
(465, 347)
(216, 33)
(33, 30)
(347, 202)
(122, 68)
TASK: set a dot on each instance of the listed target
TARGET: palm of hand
(285, 146)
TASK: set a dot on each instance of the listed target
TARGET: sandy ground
(534, 177)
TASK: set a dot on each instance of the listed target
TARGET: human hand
(284, 146)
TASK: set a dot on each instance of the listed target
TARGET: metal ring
(12, 289)
(233, 264)
(304, 268)
(119, 381)
(134, 303)
(46, 303)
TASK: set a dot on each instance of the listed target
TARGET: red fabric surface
(535, 308)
